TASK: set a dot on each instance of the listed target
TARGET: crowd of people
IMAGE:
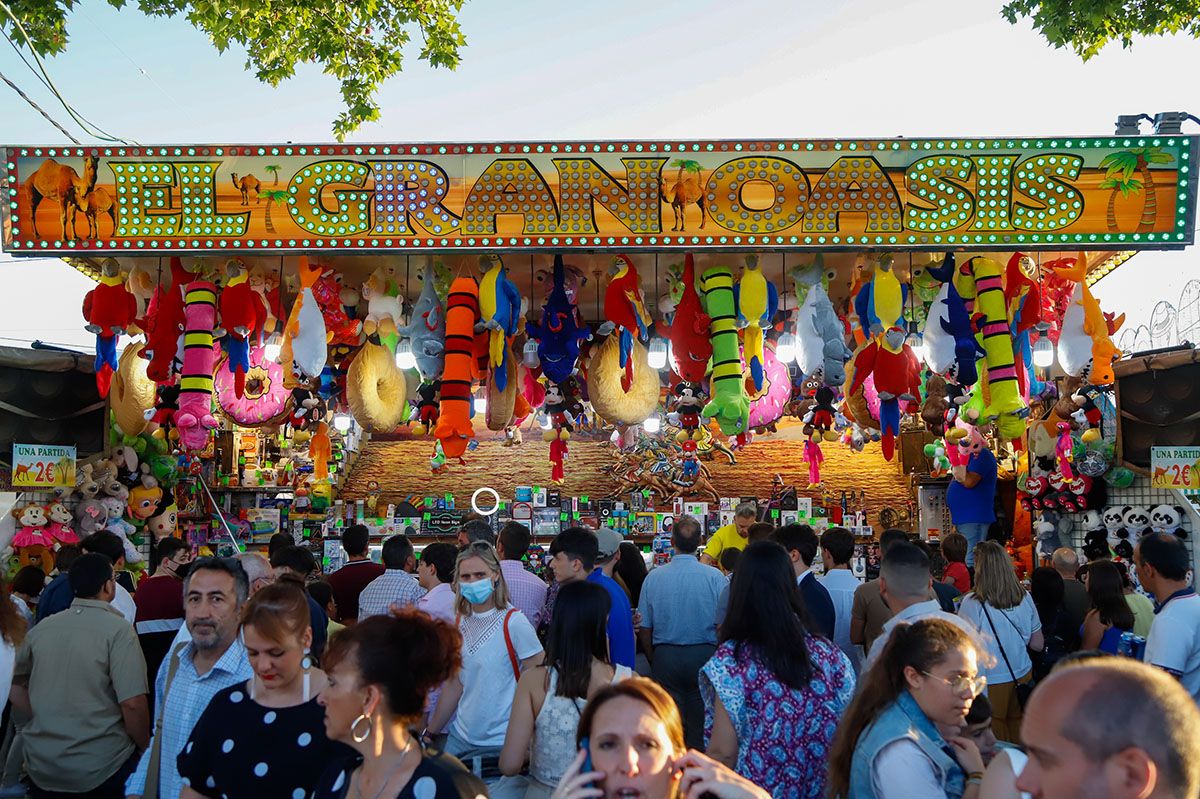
(732, 671)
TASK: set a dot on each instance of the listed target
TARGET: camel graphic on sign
(62, 184)
(247, 185)
(684, 191)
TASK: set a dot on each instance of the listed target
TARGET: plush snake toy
(757, 301)
(500, 309)
(194, 417)
(730, 404)
(688, 333)
(454, 428)
(981, 280)
(559, 334)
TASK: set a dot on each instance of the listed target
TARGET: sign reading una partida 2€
(43, 466)
(1175, 467)
(960, 193)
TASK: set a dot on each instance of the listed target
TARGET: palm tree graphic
(1121, 167)
(276, 196)
(274, 170)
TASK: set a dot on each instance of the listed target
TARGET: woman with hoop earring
(265, 737)
(380, 673)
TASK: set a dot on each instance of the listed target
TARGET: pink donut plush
(767, 405)
(264, 401)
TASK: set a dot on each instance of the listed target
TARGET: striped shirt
(394, 586)
(526, 592)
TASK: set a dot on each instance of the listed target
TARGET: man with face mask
(213, 659)
(159, 601)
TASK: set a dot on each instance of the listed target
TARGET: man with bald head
(1075, 596)
(1111, 728)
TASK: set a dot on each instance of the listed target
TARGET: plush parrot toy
(897, 375)
(691, 347)
(164, 323)
(559, 334)
(427, 330)
(757, 301)
(625, 309)
(303, 351)
(730, 404)
(242, 317)
(880, 303)
(454, 429)
(110, 308)
(500, 311)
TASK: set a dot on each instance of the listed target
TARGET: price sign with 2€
(1175, 467)
(43, 466)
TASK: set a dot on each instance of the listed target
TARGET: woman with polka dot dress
(265, 739)
(380, 673)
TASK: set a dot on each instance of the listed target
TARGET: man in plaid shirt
(528, 593)
(396, 586)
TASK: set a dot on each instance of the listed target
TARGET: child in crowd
(954, 550)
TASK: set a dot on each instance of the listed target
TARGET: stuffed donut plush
(376, 389)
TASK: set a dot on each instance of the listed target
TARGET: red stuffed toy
(339, 327)
(242, 316)
(164, 322)
(109, 309)
(558, 456)
(691, 344)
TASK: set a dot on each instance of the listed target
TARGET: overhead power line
(38, 108)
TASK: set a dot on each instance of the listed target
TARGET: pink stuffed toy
(194, 419)
(1062, 451)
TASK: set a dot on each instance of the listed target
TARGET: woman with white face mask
(498, 643)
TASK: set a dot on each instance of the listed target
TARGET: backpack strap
(512, 652)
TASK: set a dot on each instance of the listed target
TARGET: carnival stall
(293, 338)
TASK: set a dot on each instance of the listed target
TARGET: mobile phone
(587, 759)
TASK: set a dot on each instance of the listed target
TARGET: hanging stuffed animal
(425, 413)
(757, 300)
(951, 349)
(730, 404)
(1089, 417)
(320, 450)
(625, 310)
(558, 459)
(164, 323)
(499, 310)
(880, 303)
(307, 409)
(688, 332)
(32, 526)
(427, 328)
(265, 285)
(385, 305)
(60, 520)
(1063, 449)
(560, 333)
(1085, 347)
(327, 289)
(980, 280)
(454, 429)
(303, 351)
(814, 458)
(687, 405)
(242, 318)
(820, 416)
(109, 309)
(820, 336)
(897, 375)
(194, 417)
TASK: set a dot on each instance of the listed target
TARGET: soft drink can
(1125, 646)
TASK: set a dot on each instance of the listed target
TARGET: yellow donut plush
(132, 391)
(604, 384)
(376, 389)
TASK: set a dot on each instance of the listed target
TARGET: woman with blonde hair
(1002, 610)
(498, 643)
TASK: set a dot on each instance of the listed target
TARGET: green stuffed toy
(730, 404)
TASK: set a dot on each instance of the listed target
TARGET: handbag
(150, 791)
(1023, 690)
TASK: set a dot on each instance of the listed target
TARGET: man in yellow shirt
(731, 536)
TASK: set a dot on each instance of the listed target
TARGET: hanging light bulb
(785, 348)
(1043, 353)
(342, 422)
(404, 355)
(273, 347)
(546, 422)
(652, 424)
(657, 358)
(529, 355)
(480, 405)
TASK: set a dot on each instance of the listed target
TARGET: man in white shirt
(837, 548)
(1163, 563)
(906, 585)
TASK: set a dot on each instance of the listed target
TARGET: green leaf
(1087, 26)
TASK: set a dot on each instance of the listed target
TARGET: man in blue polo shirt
(573, 557)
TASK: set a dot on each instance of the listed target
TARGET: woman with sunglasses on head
(380, 673)
(888, 745)
(498, 644)
(630, 741)
(552, 697)
(264, 737)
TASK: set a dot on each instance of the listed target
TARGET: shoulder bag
(1022, 689)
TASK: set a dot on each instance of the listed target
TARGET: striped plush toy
(730, 404)
(454, 429)
(194, 418)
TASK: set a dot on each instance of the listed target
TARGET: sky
(543, 69)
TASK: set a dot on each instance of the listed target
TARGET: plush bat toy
(559, 333)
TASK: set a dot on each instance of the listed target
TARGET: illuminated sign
(1091, 192)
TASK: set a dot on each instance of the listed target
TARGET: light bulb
(785, 348)
(652, 424)
(657, 357)
(917, 345)
(342, 422)
(1043, 353)
(404, 355)
(273, 348)
(480, 405)
(529, 355)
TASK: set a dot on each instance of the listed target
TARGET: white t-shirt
(1014, 627)
(1174, 642)
(489, 684)
(902, 771)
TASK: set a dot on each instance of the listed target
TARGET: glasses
(962, 683)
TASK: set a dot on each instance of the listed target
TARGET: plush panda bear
(1168, 519)
(1136, 519)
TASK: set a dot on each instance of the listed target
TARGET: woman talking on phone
(630, 741)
